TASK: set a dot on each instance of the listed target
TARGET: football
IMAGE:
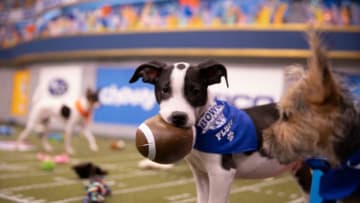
(162, 142)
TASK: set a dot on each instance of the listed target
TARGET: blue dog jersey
(224, 129)
(341, 182)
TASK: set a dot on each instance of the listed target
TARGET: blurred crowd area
(82, 17)
(6, 5)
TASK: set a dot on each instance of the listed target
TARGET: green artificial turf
(22, 179)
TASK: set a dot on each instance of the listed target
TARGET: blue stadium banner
(121, 102)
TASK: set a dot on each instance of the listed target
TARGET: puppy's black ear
(212, 71)
(89, 91)
(148, 71)
(92, 95)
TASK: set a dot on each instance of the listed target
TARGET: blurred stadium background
(61, 47)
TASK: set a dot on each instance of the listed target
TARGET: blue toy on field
(6, 130)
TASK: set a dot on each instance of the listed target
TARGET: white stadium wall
(125, 106)
(250, 85)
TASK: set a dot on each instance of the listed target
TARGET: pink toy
(61, 159)
(41, 156)
(58, 159)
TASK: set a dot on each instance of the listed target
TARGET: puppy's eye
(195, 91)
(285, 116)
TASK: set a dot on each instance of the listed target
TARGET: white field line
(178, 197)
(136, 189)
(19, 198)
(255, 186)
(26, 167)
(7, 167)
(260, 185)
(299, 200)
(182, 182)
(119, 165)
(112, 157)
(192, 199)
(39, 186)
(133, 175)
(21, 158)
(138, 173)
(6, 193)
(32, 174)
(156, 186)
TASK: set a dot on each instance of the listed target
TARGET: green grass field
(22, 179)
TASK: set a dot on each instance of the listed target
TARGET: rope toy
(97, 190)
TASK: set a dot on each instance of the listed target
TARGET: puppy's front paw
(148, 164)
(94, 148)
(17, 146)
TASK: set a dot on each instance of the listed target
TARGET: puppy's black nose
(179, 119)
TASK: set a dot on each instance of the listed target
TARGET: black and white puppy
(181, 89)
(73, 112)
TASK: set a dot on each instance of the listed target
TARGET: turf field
(22, 179)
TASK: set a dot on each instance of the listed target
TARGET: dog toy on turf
(97, 190)
(58, 159)
(117, 145)
(47, 165)
(6, 130)
(62, 159)
(56, 137)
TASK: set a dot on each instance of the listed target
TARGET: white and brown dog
(227, 145)
(74, 112)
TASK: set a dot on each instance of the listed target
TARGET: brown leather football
(162, 142)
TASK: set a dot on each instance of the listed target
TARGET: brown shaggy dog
(318, 117)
